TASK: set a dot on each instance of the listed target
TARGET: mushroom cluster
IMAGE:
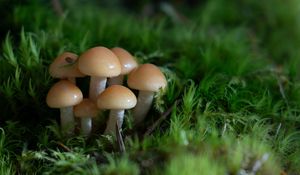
(106, 68)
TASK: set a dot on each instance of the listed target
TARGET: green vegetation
(233, 90)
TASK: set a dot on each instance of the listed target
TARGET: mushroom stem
(72, 79)
(143, 105)
(86, 126)
(115, 115)
(118, 80)
(67, 121)
(97, 85)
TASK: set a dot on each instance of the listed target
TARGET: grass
(232, 71)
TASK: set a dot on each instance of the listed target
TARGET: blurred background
(141, 9)
(261, 18)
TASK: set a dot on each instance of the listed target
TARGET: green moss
(192, 164)
(233, 79)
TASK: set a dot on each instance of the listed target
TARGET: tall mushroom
(117, 98)
(64, 95)
(128, 63)
(86, 110)
(65, 66)
(99, 63)
(148, 79)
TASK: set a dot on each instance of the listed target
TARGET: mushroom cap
(116, 97)
(127, 61)
(65, 66)
(87, 108)
(100, 62)
(63, 94)
(147, 77)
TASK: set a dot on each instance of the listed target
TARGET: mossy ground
(233, 89)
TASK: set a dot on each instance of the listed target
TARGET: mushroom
(64, 95)
(117, 98)
(148, 79)
(128, 63)
(65, 66)
(99, 63)
(86, 110)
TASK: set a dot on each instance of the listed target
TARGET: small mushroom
(64, 95)
(128, 63)
(86, 110)
(117, 98)
(148, 79)
(99, 63)
(65, 66)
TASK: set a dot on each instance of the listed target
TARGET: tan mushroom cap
(127, 61)
(65, 66)
(87, 108)
(63, 94)
(100, 62)
(116, 97)
(147, 77)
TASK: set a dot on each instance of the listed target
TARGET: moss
(233, 82)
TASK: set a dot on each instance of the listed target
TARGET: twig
(64, 146)
(120, 139)
(281, 89)
(224, 129)
(157, 122)
(278, 129)
(277, 72)
(256, 167)
(170, 10)
(258, 164)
